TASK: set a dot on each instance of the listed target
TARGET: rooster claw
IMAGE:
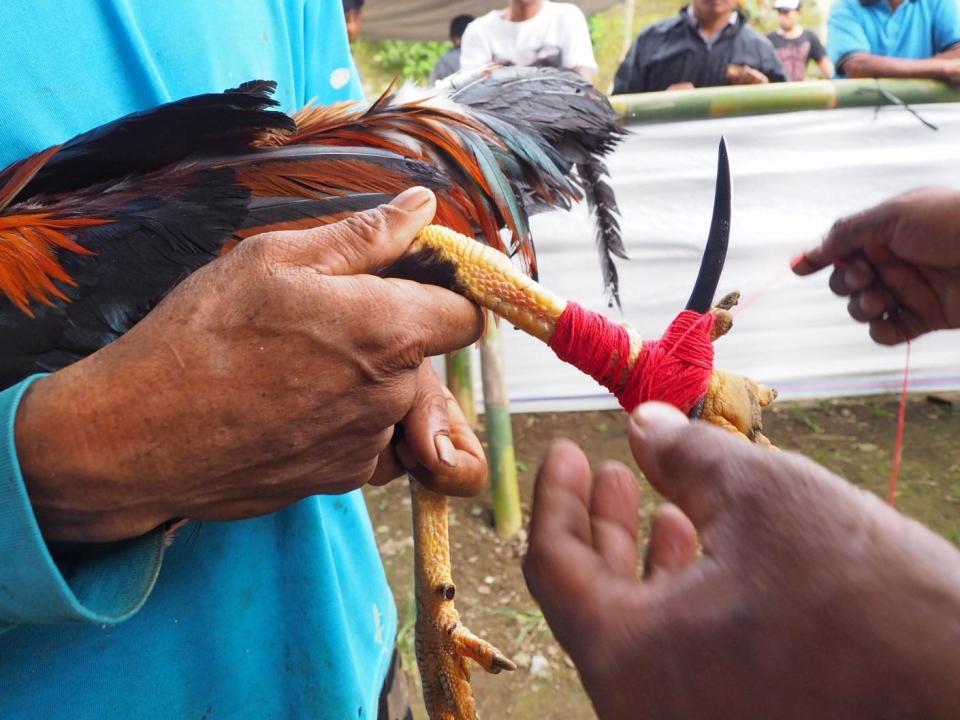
(722, 317)
(481, 652)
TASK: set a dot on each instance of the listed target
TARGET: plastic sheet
(793, 175)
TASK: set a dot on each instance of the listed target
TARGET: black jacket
(672, 51)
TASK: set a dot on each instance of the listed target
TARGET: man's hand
(276, 372)
(811, 599)
(898, 262)
(745, 75)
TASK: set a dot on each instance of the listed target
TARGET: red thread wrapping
(674, 369)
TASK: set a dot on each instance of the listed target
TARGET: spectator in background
(530, 32)
(708, 43)
(896, 38)
(795, 45)
(449, 62)
(352, 13)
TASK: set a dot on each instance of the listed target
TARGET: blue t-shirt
(284, 616)
(918, 29)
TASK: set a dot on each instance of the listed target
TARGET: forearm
(826, 68)
(76, 463)
(40, 585)
(863, 65)
(951, 54)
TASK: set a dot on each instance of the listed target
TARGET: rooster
(95, 232)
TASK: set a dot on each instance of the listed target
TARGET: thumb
(364, 242)
(684, 461)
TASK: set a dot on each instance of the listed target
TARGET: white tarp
(793, 175)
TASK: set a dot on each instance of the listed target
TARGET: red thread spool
(674, 369)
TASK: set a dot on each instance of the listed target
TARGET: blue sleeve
(325, 33)
(946, 25)
(107, 587)
(845, 34)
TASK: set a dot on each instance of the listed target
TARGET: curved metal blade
(715, 252)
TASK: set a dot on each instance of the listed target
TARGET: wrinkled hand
(898, 262)
(745, 75)
(811, 599)
(276, 372)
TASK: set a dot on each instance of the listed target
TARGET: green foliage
(382, 61)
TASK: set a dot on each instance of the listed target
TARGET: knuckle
(369, 226)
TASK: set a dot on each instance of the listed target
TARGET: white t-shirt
(556, 36)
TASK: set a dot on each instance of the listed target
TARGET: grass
(531, 622)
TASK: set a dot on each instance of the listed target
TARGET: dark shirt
(796, 52)
(672, 51)
(447, 65)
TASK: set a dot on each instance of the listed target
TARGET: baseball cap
(786, 4)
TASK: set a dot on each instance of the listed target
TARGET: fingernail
(657, 414)
(445, 449)
(797, 259)
(412, 199)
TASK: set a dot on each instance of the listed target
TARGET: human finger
(438, 445)
(850, 276)
(673, 542)
(615, 517)
(561, 562)
(363, 243)
(435, 319)
(871, 304)
(846, 236)
(681, 459)
(913, 292)
(897, 327)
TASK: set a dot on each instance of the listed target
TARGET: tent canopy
(430, 19)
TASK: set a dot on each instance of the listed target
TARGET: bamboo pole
(460, 381)
(501, 455)
(737, 100)
(629, 13)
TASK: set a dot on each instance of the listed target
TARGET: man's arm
(578, 50)
(180, 418)
(945, 68)
(266, 376)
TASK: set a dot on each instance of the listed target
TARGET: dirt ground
(853, 437)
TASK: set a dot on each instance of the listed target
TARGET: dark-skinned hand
(898, 262)
(810, 599)
(278, 371)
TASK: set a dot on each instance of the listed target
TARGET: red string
(901, 425)
(674, 369)
(764, 289)
(904, 390)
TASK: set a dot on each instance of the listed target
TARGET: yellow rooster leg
(443, 644)
(487, 277)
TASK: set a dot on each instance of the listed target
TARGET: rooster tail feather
(268, 214)
(603, 204)
(149, 140)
